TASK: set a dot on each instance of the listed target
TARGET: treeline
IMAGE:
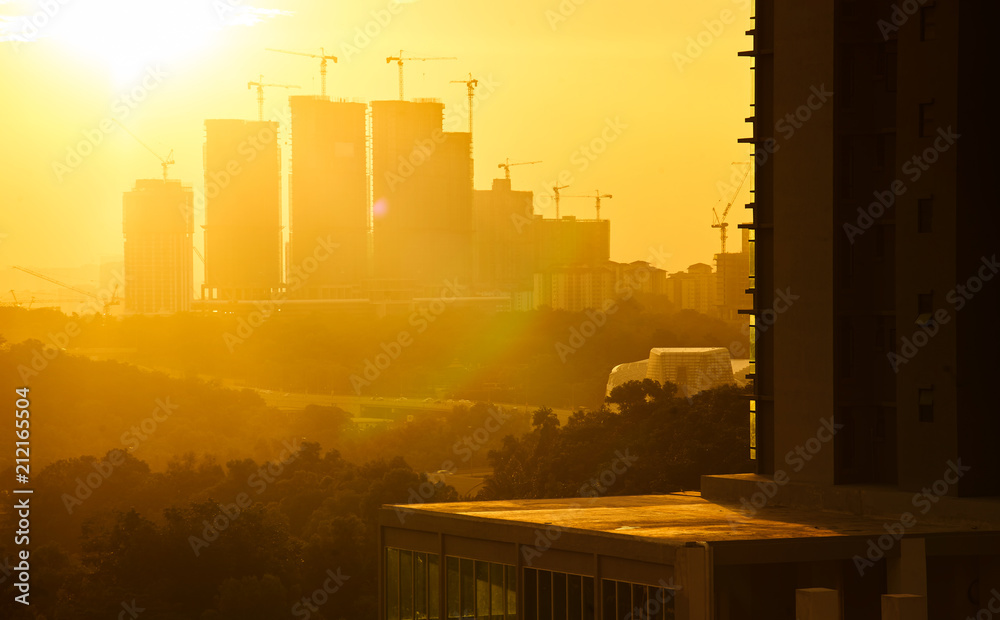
(649, 441)
(545, 357)
(295, 537)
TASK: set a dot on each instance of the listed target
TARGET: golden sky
(660, 77)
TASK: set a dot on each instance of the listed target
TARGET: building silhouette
(422, 197)
(696, 289)
(732, 281)
(243, 244)
(504, 237)
(328, 196)
(875, 322)
(158, 228)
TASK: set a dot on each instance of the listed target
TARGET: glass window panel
(433, 608)
(482, 590)
(406, 585)
(544, 595)
(468, 588)
(559, 596)
(510, 579)
(574, 597)
(530, 598)
(624, 603)
(638, 599)
(392, 583)
(453, 590)
(607, 599)
(587, 584)
(420, 586)
(497, 595)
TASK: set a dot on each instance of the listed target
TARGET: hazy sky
(652, 74)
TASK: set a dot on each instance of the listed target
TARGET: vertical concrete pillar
(817, 604)
(692, 566)
(904, 607)
(907, 574)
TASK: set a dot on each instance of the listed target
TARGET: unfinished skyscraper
(503, 237)
(158, 227)
(242, 210)
(422, 199)
(328, 196)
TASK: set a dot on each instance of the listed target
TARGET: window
(927, 22)
(925, 404)
(846, 341)
(636, 601)
(925, 308)
(552, 595)
(927, 123)
(477, 590)
(925, 214)
(411, 591)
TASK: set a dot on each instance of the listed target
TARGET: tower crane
(506, 166)
(720, 222)
(260, 94)
(555, 190)
(399, 61)
(323, 57)
(112, 301)
(597, 195)
(470, 84)
(165, 162)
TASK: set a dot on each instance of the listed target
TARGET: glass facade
(479, 590)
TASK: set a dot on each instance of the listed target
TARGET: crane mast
(260, 94)
(720, 222)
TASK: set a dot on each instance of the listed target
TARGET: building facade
(243, 230)
(422, 196)
(328, 197)
(158, 227)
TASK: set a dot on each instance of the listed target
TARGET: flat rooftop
(674, 519)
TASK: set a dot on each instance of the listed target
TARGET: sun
(128, 37)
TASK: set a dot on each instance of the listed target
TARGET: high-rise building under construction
(422, 196)
(242, 209)
(328, 196)
(158, 226)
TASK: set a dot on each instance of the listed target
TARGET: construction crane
(555, 190)
(17, 304)
(399, 61)
(260, 94)
(470, 84)
(506, 166)
(165, 162)
(323, 57)
(597, 195)
(720, 222)
(113, 301)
